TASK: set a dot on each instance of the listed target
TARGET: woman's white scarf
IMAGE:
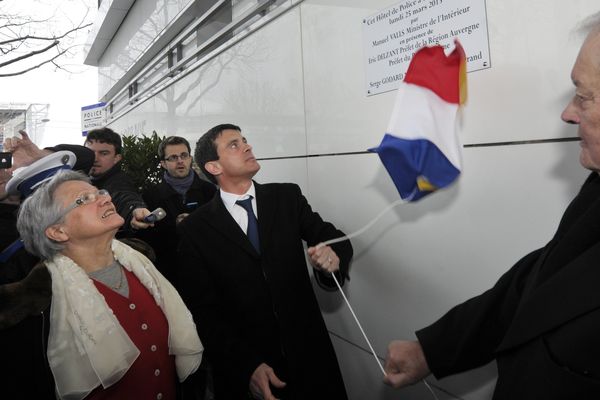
(87, 346)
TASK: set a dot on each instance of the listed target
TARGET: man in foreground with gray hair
(541, 321)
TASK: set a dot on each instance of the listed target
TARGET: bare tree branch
(30, 54)
(35, 66)
(27, 37)
(26, 43)
(25, 22)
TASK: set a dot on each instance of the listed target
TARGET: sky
(65, 92)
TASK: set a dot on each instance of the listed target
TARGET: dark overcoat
(163, 236)
(122, 191)
(541, 321)
(255, 308)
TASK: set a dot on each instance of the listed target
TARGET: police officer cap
(26, 179)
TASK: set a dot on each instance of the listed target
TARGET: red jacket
(153, 374)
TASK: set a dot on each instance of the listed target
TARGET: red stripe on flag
(431, 68)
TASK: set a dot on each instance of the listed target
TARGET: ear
(118, 158)
(163, 164)
(214, 167)
(56, 233)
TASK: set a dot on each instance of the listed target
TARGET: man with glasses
(180, 192)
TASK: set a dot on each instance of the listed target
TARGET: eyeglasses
(86, 198)
(175, 157)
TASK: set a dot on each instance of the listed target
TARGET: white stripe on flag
(420, 114)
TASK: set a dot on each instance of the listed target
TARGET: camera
(5, 160)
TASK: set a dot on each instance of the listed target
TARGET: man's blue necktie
(252, 231)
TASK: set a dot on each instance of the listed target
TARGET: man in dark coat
(106, 174)
(541, 321)
(179, 193)
(244, 277)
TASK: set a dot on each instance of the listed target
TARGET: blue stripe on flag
(407, 160)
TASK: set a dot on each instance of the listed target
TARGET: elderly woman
(118, 329)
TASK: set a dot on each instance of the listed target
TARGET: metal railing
(186, 52)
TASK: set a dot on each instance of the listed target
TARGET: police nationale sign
(394, 34)
(92, 117)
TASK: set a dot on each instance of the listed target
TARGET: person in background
(180, 192)
(541, 320)
(243, 274)
(25, 287)
(106, 174)
(118, 328)
(24, 152)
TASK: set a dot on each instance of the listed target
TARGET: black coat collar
(101, 180)
(567, 281)
(571, 292)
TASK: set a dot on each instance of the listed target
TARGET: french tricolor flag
(420, 149)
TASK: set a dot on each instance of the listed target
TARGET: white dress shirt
(238, 212)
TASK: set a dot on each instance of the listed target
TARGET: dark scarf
(180, 185)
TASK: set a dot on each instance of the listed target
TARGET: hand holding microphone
(155, 215)
(142, 218)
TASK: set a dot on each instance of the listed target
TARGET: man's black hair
(105, 135)
(170, 141)
(206, 148)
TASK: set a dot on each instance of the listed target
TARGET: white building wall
(144, 22)
(296, 87)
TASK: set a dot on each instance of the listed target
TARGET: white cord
(430, 389)
(346, 237)
(367, 226)
(358, 323)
